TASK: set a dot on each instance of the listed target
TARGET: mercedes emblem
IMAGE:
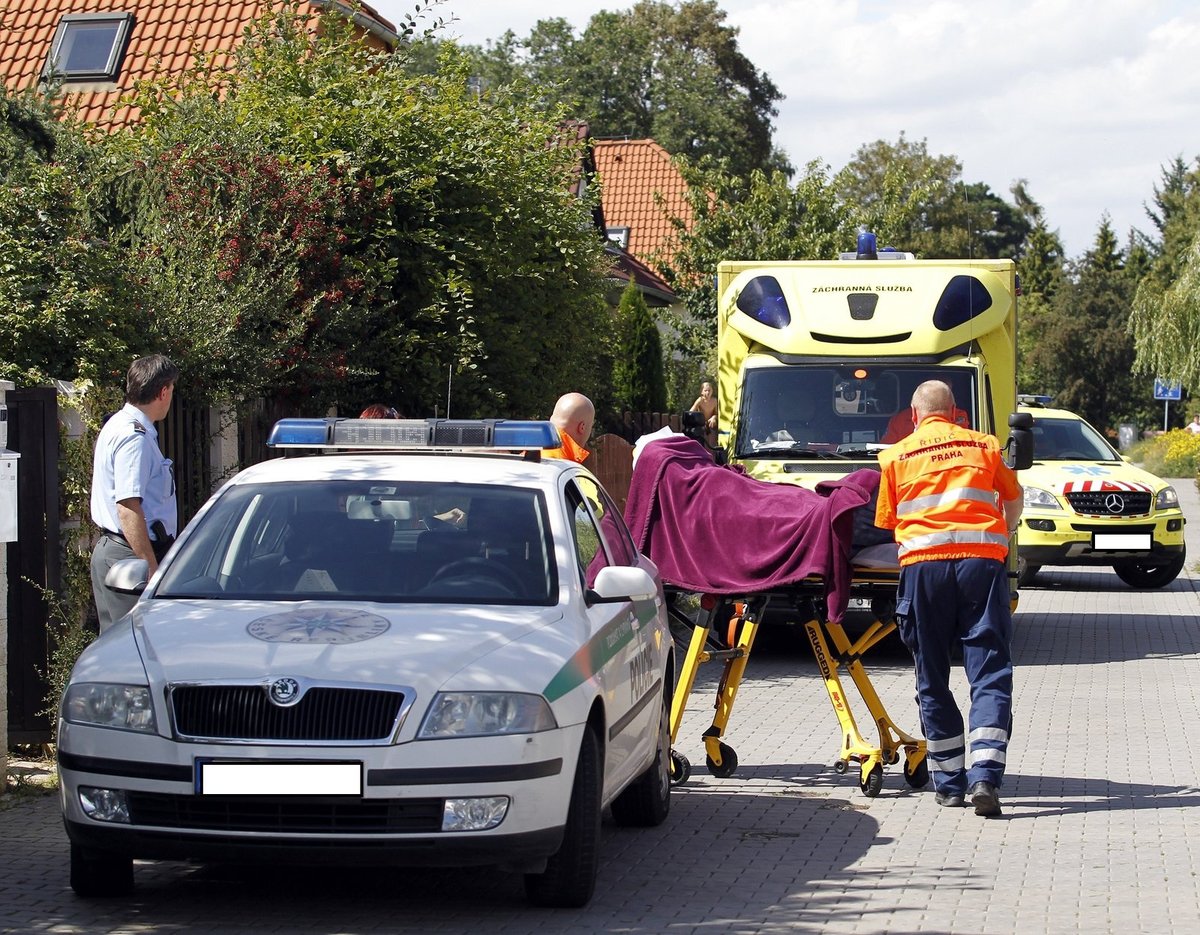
(1114, 503)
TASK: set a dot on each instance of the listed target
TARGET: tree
(63, 313)
(670, 72)
(1081, 347)
(1040, 268)
(949, 219)
(1165, 320)
(638, 378)
(318, 222)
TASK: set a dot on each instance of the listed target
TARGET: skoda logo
(285, 692)
(1114, 503)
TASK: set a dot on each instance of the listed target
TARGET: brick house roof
(626, 268)
(165, 36)
(631, 173)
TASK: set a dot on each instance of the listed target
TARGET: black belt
(113, 535)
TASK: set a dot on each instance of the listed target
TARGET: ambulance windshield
(828, 411)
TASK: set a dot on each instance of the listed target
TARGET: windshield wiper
(792, 449)
(858, 450)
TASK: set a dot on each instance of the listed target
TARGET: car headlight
(1167, 499)
(480, 714)
(1041, 499)
(124, 707)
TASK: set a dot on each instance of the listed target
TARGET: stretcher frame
(833, 650)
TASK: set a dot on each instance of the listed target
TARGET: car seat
(510, 531)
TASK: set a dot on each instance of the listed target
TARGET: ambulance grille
(1110, 503)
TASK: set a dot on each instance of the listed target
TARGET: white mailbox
(8, 495)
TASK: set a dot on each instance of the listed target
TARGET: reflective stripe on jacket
(941, 490)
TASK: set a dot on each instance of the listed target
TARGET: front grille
(833, 466)
(245, 712)
(285, 815)
(1092, 503)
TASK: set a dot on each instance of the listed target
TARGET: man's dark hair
(147, 377)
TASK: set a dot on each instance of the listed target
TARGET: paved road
(1097, 834)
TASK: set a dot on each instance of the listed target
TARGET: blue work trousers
(940, 604)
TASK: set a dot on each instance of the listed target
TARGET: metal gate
(34, 560)
(183, 437)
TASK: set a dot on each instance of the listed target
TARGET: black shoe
(950, 799)
(984, 798)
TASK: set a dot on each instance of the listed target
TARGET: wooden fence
(612, 453)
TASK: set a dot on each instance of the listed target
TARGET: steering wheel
(476, 567)
(1072, 455)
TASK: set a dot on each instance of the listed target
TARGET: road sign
(1165, 390)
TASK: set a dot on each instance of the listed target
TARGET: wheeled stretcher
(747, 545)
(724, 631)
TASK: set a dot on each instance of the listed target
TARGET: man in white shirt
(133, 487)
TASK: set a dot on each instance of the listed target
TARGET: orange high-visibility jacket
(941, 490)
(571, 450)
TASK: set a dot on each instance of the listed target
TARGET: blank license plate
(1126, 541)
(279, 778)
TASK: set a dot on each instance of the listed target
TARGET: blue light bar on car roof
(376, 434)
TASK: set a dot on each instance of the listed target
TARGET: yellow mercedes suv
(1086, 505)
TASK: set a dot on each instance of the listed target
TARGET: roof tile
(632, 173)
(170, 30)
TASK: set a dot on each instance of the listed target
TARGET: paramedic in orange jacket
(573, 416)
(954, 504)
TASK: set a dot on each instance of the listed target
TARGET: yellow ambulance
(1086, 505)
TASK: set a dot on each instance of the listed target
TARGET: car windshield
(800, 411)
(361, 540)
(1069, 440)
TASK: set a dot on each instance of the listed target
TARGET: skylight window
(619, 236)
(89, 46)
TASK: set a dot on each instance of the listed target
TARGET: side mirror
(128, 576)
(1020, 441)
(617, 584)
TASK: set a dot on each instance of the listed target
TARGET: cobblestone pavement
(1097, 833)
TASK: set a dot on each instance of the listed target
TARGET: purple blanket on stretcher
(711, 528)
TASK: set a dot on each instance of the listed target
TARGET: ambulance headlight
(1167, 499)
(1039, 499)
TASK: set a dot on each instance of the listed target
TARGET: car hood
(420, 645)
(1062, 476)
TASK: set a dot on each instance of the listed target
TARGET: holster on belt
(161, 542)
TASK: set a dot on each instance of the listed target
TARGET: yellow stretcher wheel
(919, 777)
(728, 765)
(681, 769)
(874, 783)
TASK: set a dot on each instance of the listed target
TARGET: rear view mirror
(1020, 441)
